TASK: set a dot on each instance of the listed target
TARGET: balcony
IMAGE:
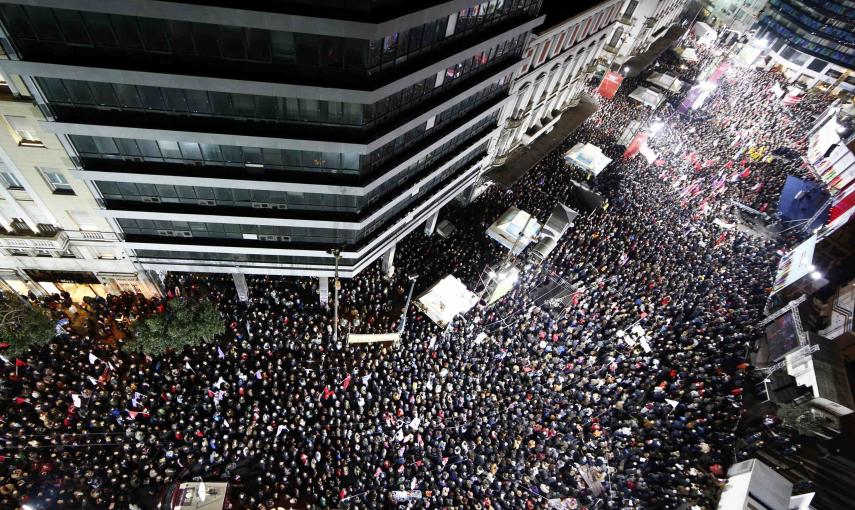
(608, 48)
(650, 23)
(627, 20)
(56, 241)
(22, 241)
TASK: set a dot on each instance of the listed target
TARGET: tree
(22, 325)
(183, 323)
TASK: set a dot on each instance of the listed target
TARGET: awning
(588, 157)
(445, 299)
(665, 81)
(634, 66)
(508, 229)
(688, 54)
(647, 96)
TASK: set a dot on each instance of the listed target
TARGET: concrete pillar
(324, 290)
(240, 286)
(430, 224)
(387, 263)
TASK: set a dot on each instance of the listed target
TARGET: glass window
(190, 150)
(149, 149)
(79, 91)
(308, 46)
(258, 44)
(72, 27)
(100, 29)
(175, 99)
(282, 44)
(10, 181)
(104, 94)
(197, 101)
(151, 97)
(181, 37)
(244, 105)
(127, 95)
(45, 25)
(153, 32)
(105, 145)
(54, 89)
(128, 147)
(231, 42)
(221, 103)
(169, 149)
(56, 181)
(252, 156)
(211, 152)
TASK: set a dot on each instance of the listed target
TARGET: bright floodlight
(816, 275)
(656, 127)
(625, 70)
(761, 43)
(707, 85)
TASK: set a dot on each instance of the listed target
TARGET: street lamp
(335, 252)
(412, 279)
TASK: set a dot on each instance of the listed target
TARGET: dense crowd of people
(512, 406)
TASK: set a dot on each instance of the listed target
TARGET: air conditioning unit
(285, 239)
(281, 206)
(166, 233)
(151, 200)
(207, 202)
(198, 163)
(261, 205)
(265, 237)
(183, 233)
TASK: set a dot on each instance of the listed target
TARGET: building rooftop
(557, 11)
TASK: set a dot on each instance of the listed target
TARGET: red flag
(21, 401)
(4, 345)
(346, 382)
(210, 393)
(327, 393)
(20, 363)
(133, 414)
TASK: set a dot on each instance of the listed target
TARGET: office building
(814, 42)
(262, 137)
(641, 23)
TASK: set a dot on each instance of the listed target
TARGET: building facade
(557, 62)
(51, 241)
(640, 23)
(813, 41)
(255, 140)
(737, 15)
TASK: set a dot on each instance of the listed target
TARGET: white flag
(279, 429)
(201, 491)
(226, 424)
(187, 366)
(414, 424)
(111, 366)
(93, 380)
(93, 359)
(5, 360)
(672, 403)
(76, 400)
(218, 383)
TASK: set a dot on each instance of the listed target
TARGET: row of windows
(275, 233)
(180, 38)
(62, 31)
(166, 151)
(835, 56)
(811, 19)
(200, 102)
(267, 199)
(233, 257)
(395, 147)
(842, 8)
(246, 106)
(395, 49)
(784, 21)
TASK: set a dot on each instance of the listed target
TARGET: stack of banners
(635, 145)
